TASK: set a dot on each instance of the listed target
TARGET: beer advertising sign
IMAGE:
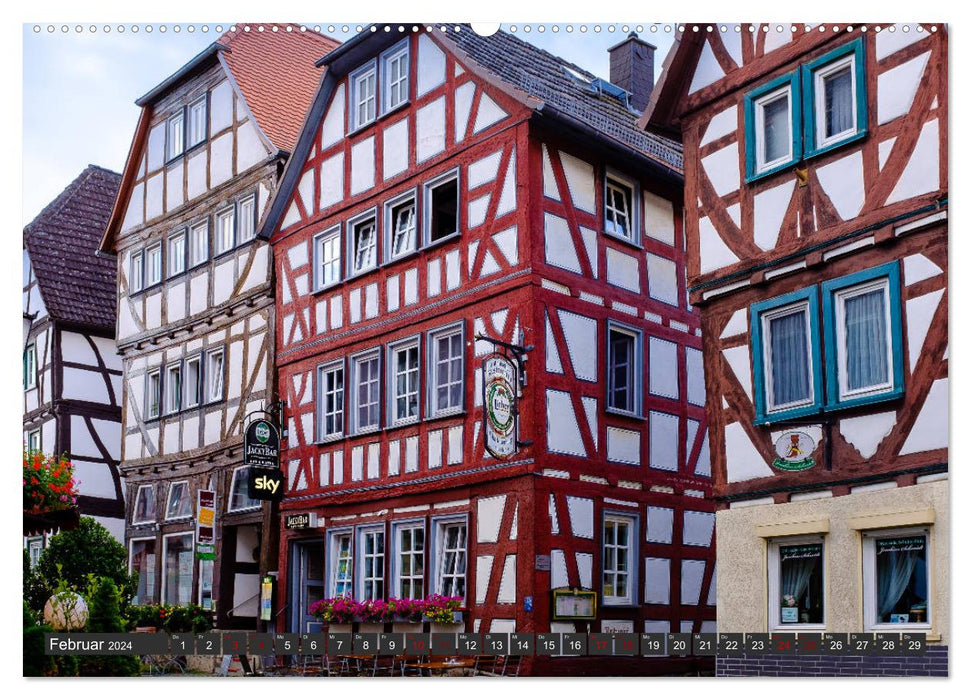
(261, 445)
(499, 415)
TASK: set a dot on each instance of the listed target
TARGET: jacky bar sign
(261, 445)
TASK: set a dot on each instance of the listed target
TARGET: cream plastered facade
(744, 532)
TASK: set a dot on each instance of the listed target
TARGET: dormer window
(175, 135)
(364, 99)
(394, 76)
(197, 122)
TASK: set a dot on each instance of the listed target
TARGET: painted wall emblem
(794, 449)
(499, 405)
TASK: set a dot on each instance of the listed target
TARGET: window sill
(636, 245)
(755, 176)
(442, 241)
(443, 415)
(330, 439)
(624, 414)
(891, 395)
(814, 410)
(836, 144)
(327, 287)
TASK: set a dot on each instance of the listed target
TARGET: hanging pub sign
(265, 484)
(793, 449)
(261, 444)
(499, 415)
(206, 525)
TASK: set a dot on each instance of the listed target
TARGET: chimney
(632, 68)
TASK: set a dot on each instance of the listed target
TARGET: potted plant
(443, 612)
(338, 613)
(790, 608)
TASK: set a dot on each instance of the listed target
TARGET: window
(624, 369)
(239, 492)
(330, 389)
(403, 382)
(363, 96)
(177, 569)
(401, 227)
(180, 503)
(34, 443)
(136, 278)
(410, 549)
(619, 559)
(327, 250)
(796, 584)
(173, 388)
(30, 366)
(225, 230)
(371, 551)
(896, 581)
(450, 557)
(442, 208)
(175, 135)
(834, 87)
(861, 314)
(35, 547)
(153, 265)
(620, 209)
(366, 391)
(364, 245)
(446, 371)
(198, 124)
(394, 76)
(214, 375)
(341, 561)
(153, 394)
(141, 561)
(176, 254)
(144, 505)
(193, 381)
(247, 218)
(199, 243)
(774, 115)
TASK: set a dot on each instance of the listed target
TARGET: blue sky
(79, 88)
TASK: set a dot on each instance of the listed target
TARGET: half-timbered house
(451, 195)
(195, 307)
(816, 218)
(72, 372)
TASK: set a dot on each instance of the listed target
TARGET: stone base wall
(933, 663)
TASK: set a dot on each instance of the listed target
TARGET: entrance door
(307, 584)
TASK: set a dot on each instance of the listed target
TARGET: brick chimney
(632, 68)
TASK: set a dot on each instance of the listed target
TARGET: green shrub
(104, 615)
(89, 550)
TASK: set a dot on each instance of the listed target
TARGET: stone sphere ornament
(66, 611)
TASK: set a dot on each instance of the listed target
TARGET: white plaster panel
(477, 210)
(659, 218)
(507, 582)
(338, 462)
(549, 179)
(623, 270)
(395, 149)
(920, 313)
(918, 268)
(721, 167)
(559, 247)
(156, 147)
(434, 449)
(336, 312)
(663, 367)
(866, 432)
(411, 286)
(483, 572)
(580, 181)
(581, 516)
(95, 479)
(921, 173)
(732, 41)
(306, 189)
(562, 429)
(373, 460)
(664, 441)
(769, 209)
(393, 292)
(507, 242)
(897, 87)
(590, 410)
(371, 300)
(332, 130)
(484, 170)
(452, 268)
(662, 278)
(623, 446)
(737, 324)
(589, 237)
(580, 333)
(220, 107)
(332, 180)
(454, 444)
(212, 430)
(489, 517)
(153, 310)
(249, 147)
(657, 626)
(698, 528)
(725, 122)
(362, 165)
(691, 432)
(221, 159)
(431, 65)
(585, 569)
(775, 39)
(489, 113)
(738, 359)
(153, 196)
(135, 214)
(707, 70)
(175, 301)
(692, 572)
(742, 460)
(430, 130)
(890, 42)
(842, 180)
(291, 217)
(507, 198)
(696, 376)
(463, 105)
(714, 253)
(297, 255)
(433, 280)
(657, 581)
(883, 150)
(196, 174)
(553, 363)
(394, 457)
(174, 186)
(930, 430)
(357, 463)
(660, 524)
(75, 348)
(554, 519)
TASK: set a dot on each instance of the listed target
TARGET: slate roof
(77, 285)
(275, 72)
(546, 77)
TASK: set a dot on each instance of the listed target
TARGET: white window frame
(238, 480)
(131, 562)
(149, 413)
(361, 75)
(369, 218)
(633, 536)
(839, 307)
(187, 494)
(397, 576)
(152, 500)
(636, 390)
(390, 225)
(363, 533)
(427, 199)
(191, 139)
(30, 366)
(774, 573)
(210, 395)
(333, 561)
(172, 396)
(192, 399)
(412, 343)
(438, 527)
(176, 261)
(246, 221)
(137, 272)
(351, 404)
(36, 433)
(870, 538)
(765, 318)
(150, 270)
(395, 54)
(327, 240)
(221, 215)
(432, 408)
(615, 181)
(819, 99)
(164, 597)
(172, 149)
(758, 107)
(198, 231)
(322, 394)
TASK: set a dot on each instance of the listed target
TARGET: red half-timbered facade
(816, 205)
(449, 187)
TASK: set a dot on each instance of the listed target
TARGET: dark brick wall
(932, 663)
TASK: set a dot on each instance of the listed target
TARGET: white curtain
(866, 340)
(775, 116)
(894, 570)
(839, 102)
(796, 574)
(790, 359)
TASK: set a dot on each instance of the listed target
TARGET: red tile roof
(275, 72)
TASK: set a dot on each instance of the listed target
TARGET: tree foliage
(75, 555)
